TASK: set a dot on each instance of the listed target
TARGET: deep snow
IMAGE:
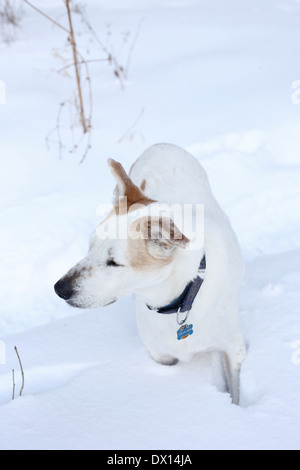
(216, 78)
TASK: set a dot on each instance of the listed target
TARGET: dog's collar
(184, 302)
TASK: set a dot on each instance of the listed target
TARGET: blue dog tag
(184, 332)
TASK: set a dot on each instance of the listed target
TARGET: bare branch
(126, 70)
(14, 385)
(118, 69)
(82, 62)
(22, 372)
(73, 43)
(47, 16)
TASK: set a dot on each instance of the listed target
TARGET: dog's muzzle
(67, 290)
(64, 289)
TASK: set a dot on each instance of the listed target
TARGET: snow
(216, 78)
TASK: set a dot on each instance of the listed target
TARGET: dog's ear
(125, 186)
(161, 234)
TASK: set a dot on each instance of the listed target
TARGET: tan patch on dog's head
(127, 193)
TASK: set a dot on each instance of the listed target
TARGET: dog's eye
(111, 262)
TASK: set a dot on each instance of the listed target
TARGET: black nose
(64, 289)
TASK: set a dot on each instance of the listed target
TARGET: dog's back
(172, 175)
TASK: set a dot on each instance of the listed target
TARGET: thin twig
(119, 71)
(73, 43)
(89, 127)
(22, 372)
(57, 130)
(82, 62)
(126, 70)
(46, 16)
(132, 126)
(87, 148)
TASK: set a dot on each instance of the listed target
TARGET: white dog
(187, 290)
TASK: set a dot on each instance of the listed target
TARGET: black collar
(184, 302)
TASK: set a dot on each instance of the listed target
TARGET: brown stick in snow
(22, 372)
(73, 44)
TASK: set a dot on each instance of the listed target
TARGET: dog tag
(184, 332)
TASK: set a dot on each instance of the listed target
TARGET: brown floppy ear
(161, 234)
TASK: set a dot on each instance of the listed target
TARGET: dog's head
(120, 263)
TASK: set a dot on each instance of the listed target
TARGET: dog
(186, 290)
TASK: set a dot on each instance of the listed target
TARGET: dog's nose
(64, 289)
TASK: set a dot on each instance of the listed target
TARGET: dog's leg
(233, 360)
(218, 371)
(164, 359)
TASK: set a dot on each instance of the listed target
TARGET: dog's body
(159, 269)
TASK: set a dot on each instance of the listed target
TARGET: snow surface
(216, 78)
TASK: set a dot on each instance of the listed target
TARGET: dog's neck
(184, 269)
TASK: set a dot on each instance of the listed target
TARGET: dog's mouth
(75, 304)
(110, 303)
(82, 305)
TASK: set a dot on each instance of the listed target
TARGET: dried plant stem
(73, 43)
(14, 385)
(119, 71)
(22, 372)
(84, 62)
(78, 105)
(57, 129)
(46, 16)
